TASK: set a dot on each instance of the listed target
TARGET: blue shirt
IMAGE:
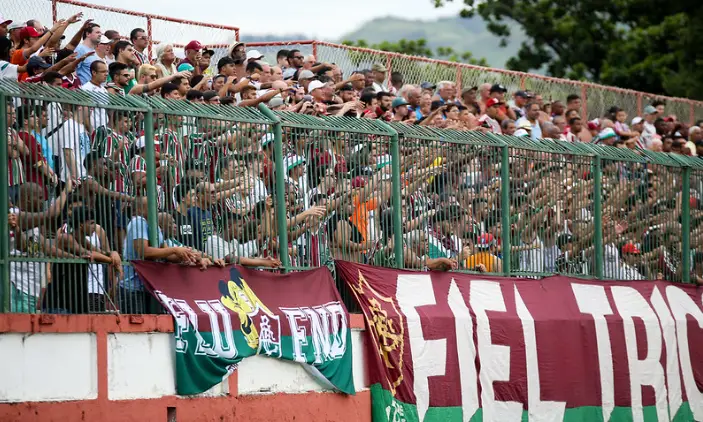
(83, 70)
(46, 149)
(137, 229)
(203, 227)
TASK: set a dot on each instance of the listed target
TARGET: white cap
(267, 139)
(105, 40)
(521, 132)
(5, 21)
(637, 120)
(315, 85)
(293, 161)
(254, 55)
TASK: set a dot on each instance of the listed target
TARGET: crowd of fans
(77, 175)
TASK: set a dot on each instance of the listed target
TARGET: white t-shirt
(8, 70)
(96, 273)
(72, 136)
(491, 122)
(219, 248)
(532, 260)
(28, 277)
(98, 117)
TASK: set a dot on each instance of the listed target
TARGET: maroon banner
(223, 315)
(553, 348)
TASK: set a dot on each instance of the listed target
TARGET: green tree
(419, 47)
(647, 45)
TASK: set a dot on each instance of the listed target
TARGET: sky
(326, 20)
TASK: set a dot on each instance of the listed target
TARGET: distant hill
(455, 32)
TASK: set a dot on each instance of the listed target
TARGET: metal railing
(91, 176)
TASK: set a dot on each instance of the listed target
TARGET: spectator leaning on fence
(84, 169)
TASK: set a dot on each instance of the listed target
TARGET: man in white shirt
(532, 119)
(74, 145)
(649, 132)
(96, 86)
(379, 76)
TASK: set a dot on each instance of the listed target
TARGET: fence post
(598, 215)
(279, 189)
(388, 70)
(686, 224)
(458, 80)
(4, 235)
(584, 103)
(151, 194)
(396, 201)
(505, 207)
(691, 114)
(150, 34)
(639, 104)
(314, 49)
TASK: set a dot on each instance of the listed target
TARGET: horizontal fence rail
(95, 181)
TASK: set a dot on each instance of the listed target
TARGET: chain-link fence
(159, 29)
(596, 99)
(95, 181)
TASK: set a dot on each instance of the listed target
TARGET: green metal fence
(97, 180)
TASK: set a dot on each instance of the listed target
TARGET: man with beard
(239, 55)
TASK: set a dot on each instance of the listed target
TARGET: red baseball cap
(29, 32)
(486, 240)
(358, 182)
(630, 248)
(492, 101)
(194, 45)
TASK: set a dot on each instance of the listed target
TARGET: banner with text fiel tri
(223, 315)
(459, 347)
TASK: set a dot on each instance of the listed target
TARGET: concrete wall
(119, 367)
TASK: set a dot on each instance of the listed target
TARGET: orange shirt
(489, 260)
(19, 59)
(360, 218)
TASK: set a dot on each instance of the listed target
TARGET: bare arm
(264, 98)
(151, 86)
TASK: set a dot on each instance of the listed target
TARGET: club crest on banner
(387, 328)
(238, 297)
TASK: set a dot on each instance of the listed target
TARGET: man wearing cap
(205, 61)
(103, 49)
(518, 103)
(31, 41)
(428, 87)
(400, 109)
(498, 91)
(649, 132)
(4, 23)
(254, 56)
(486, 259)
(488, 119)
(192, 59)
(379, 77)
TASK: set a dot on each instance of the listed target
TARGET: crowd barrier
(307, 190)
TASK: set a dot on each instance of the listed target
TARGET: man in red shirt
(36, 169)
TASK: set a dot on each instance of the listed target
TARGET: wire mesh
(80, 209)
(160, 30)
(642, 220)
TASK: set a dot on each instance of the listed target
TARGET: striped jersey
(171, 146)
(107, 143)
(15, 169)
